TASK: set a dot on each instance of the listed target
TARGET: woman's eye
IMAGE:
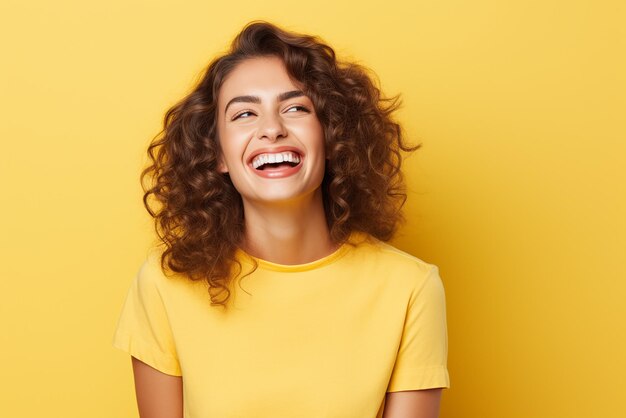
(297, 108)
(245, 114)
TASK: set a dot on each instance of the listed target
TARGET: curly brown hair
(200, 215)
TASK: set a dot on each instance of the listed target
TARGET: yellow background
(518, 193)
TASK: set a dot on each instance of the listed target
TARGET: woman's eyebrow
(289, 95)
(256, 99)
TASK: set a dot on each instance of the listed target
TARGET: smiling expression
(272, 141)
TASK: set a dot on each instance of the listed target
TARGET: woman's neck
(289, 233)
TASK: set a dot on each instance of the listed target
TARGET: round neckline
(269, 265)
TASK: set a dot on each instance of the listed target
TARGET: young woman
(275, 295)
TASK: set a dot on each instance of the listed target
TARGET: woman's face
(271, 139)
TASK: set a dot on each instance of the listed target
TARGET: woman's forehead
(259, 76)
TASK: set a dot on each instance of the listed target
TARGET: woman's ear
(221, 165)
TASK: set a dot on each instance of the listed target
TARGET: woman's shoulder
(406, 274)
(151, 271)
(382, 252)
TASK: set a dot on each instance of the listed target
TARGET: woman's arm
(159, 395)
(413, 404)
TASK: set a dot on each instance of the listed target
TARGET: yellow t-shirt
(322, 339)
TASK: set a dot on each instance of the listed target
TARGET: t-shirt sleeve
(143, 328)
(421, 362)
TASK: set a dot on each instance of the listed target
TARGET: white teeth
(269, 158)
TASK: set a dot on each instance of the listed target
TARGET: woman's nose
(271, 128)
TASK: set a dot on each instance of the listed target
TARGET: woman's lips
(263, 161)
(283, 170)
(275, 150)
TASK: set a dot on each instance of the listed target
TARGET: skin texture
(255, 114)
(413, 404)
(159, 395)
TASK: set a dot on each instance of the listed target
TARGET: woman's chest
(298, 353)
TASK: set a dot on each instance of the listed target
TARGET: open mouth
(276, 161)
